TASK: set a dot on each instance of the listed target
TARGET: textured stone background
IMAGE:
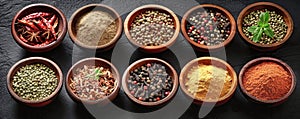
(238, 53)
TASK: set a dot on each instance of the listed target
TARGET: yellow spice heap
(206, 81)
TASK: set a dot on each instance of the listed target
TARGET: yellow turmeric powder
(208, 82)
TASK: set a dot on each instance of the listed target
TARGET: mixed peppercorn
(150, 82)
(38, 29)
(276, 23)
(92, 83)
(152, 28)
(208, 27)
(34, 82)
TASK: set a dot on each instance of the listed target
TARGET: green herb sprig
(96, 74)
(263, 26)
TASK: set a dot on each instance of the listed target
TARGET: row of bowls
(170, 70)
(152, 49)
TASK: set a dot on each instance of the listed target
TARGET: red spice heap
(267, 81)
(38, 29)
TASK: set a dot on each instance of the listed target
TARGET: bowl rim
(271, 4)
(53, 44)
(270, 59)
(162, 101)
(113, 68)
(36, 59)
(118, 19)
(212, 6)
(186, 68)
(147, 7)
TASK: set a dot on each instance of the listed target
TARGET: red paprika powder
(267, 81)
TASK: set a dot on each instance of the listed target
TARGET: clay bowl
(270, 6)
(170, 70)
(208, 61)
(33, 60)
(267, 102)
(201, 47)
(33, 8)
(93, 62)
(86, 9)
(151, 49)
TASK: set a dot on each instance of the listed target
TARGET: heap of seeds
(276, 22)
(92, 83)
(34, 82)
(150, 82)
(152, 28)
(208, 27)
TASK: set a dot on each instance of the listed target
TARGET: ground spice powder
(208, 82)
(267, 81)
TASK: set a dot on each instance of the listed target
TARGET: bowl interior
(267, 59)
(203, 8)
(169, 69)
(34, 8)
(93, 62)
(271, 7)
(30, 61)
(131, 17)
(86, 9)
(208, 61)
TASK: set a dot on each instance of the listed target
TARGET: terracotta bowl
(62, 26)
(93, 62)
(33, 60)
(269, 59)
(270, 6)
(201, 47)
(151, 49)
(170, 70)
(86, 9)
(208, 61)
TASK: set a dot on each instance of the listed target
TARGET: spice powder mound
(267, 81)
(96, 28)
(207, 82)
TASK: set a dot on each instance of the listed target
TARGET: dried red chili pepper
(36, 15)
(40, 25)
(29, 24)
(49, 26)
(52, 20)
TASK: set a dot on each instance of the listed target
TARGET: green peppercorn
(34, 82)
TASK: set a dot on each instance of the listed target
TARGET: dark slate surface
(237, 54)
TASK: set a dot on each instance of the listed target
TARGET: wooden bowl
(170, 70)
(270, 6)
(151, 49)
(93, 62)
(269, 59)
(84, 10)
(201, 47)
(33, 60)
(62, 26)
(208, 61)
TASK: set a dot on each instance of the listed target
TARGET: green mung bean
(34, 82)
